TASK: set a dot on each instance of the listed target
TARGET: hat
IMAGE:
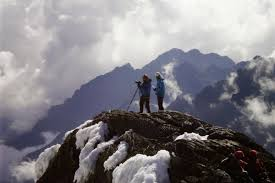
(253, 153)
(158, 75)
(145, 77)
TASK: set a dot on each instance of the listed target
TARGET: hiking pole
(132, 99)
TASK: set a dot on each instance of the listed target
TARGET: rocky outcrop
(191, 160)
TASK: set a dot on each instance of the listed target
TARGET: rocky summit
(119, 146)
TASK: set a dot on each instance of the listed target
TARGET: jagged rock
(191, 161)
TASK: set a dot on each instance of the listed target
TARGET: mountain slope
(114, 90)
(103, 93)
(146, 147)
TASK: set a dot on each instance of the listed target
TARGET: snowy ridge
(142, 168)
(92, 133)
(44, 159)
(87, 164)
(117, 157)
(127, 147)
(191, 136)
(77, 128)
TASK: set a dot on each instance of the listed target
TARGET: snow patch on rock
(87, 163)
(77, 128)
(92, 134)
(191, 136)
(44, 159)
(117, 157)
(142, 168)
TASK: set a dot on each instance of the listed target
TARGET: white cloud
(230, 88)
(188, 98)
(25, 171)
(33, 170)
(257, 109)
(10, 160)
(172, 88)
(267, 84)
(270, 139)
(272, 54)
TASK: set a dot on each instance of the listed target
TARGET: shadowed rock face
(191, 160)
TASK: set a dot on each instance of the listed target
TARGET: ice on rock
(79, 127)
(142, 168)
(87, 163)
(191, 136)
(117, 157)
(96, 132)
(44, 159)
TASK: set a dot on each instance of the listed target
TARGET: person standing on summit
(160, 90)
(145, 90)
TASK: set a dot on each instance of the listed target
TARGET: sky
(49, 48)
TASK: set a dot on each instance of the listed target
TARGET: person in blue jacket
(145, 90)
(160, 90)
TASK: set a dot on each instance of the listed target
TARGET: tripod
(132, 99)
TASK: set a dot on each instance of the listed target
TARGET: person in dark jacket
(160, 91)
(255, 168)
(235, 166)
(145, 90)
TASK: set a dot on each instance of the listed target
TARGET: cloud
(25, 171)
(260, 108)
(257, 109)
(172, 88)
(230, 88)
(47, 43)
(33, 170)
(10, 159)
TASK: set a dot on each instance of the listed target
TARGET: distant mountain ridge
(241, 102)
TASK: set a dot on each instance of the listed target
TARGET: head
(145, 77)
(253, 154)
(158, 75)
(239, 154)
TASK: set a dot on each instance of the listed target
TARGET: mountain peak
(106, 148)
(175, 50)
(125, 66)
(194, 52)
(258, 57)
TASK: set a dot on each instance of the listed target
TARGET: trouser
(145, 100)
(160, 103)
